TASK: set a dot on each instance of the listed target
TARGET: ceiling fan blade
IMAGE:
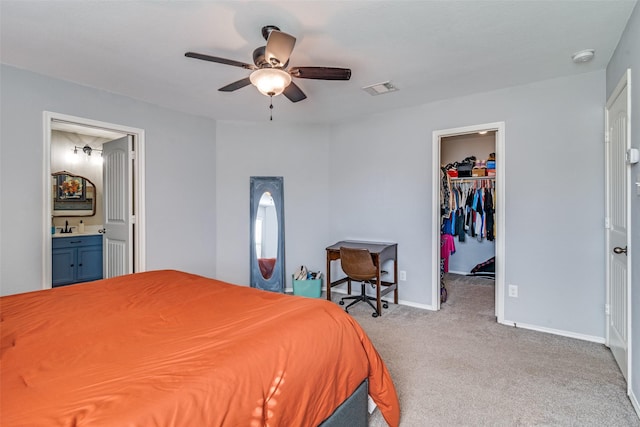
(220, 60)
(279, 48)
(236, 85)
(294, 93)
(321, 73)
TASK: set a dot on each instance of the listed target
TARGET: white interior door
(118, 216)
(617, 224)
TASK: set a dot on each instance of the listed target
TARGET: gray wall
(457, 148)
(180, 177)
(380, 180)
(627, 55)
(297, 153)
(470, 253)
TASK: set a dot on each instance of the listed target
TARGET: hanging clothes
(447, 225)
(472, 210)
(447, 248)
(489, 213)
(445, 193)
(460, 228)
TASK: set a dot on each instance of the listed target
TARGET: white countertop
(89, 230)
(75, 234)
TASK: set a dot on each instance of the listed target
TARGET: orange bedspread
(171, 348)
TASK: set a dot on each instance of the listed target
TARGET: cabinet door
(89, 263)
(63, 266)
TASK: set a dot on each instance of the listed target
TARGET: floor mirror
(266, 247)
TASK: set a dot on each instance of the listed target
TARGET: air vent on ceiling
(380, 88)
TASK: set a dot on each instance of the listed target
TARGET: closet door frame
(499, 128)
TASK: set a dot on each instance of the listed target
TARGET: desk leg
(328, 277)
(395, 279)
(378, 286)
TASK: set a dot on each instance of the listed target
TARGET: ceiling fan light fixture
(270, 81)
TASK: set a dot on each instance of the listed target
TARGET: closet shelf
(470, 178)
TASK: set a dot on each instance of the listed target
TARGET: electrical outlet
(513, 291)
(403, 275)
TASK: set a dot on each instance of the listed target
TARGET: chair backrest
(357, 263)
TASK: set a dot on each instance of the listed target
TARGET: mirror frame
(72, 212)
(258, 186)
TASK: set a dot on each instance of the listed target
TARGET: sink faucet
(66, 228)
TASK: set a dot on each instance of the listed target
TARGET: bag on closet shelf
(465, 167)
(464, 170)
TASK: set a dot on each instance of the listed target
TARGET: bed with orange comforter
(171, 348)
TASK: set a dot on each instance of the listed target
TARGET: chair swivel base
(363, 297)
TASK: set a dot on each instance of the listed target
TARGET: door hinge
(132, 155)
(606, 137)
(607, 224)
(606, 309)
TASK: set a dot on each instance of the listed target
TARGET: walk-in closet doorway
(477, 248)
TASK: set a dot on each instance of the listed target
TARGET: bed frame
(353, 411)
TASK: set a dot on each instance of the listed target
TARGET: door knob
(620, 250)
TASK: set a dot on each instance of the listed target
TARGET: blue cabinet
(76, 259)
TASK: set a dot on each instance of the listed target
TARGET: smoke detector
(380, 88)
(581, 56)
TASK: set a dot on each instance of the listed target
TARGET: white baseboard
(599, 340)
(634, 401)
(400, 302)
(462, 273)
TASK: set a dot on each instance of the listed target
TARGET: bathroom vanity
(76, 258)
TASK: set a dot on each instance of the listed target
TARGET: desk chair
(358, 266)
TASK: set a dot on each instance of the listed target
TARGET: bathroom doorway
(77, 143)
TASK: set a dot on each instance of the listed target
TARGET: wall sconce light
(86, 149)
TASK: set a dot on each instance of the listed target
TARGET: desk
(380, 252)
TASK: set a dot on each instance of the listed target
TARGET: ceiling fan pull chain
(271, 108)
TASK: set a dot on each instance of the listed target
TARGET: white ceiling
(430, 50)
(86, 130)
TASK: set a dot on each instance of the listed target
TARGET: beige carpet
(458, 367)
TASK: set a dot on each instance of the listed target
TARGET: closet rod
(471, 178)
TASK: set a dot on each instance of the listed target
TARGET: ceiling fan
(269, 69)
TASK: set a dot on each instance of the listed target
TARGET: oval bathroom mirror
(267, 233)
